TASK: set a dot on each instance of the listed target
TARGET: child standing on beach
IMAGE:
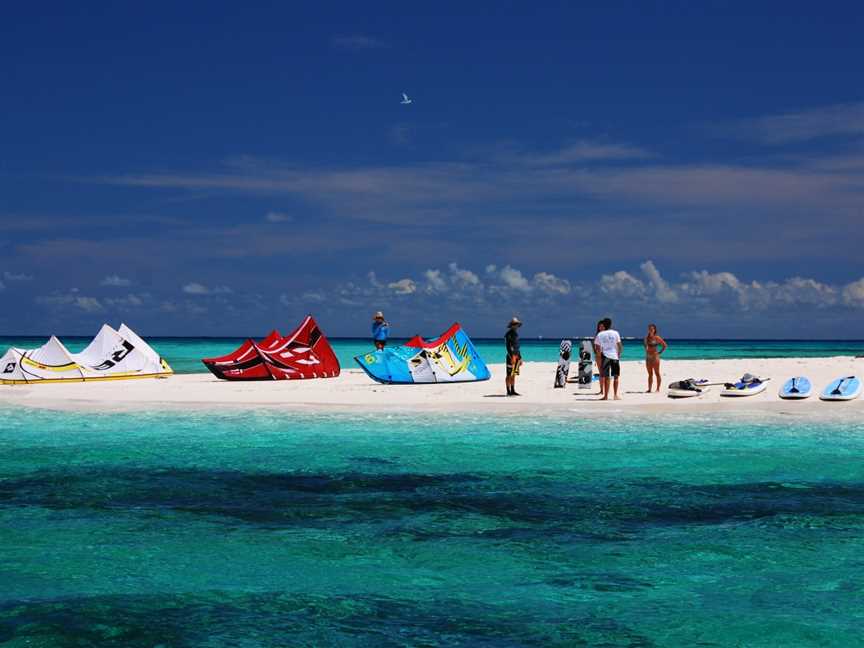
(514, 355)
(380, 330)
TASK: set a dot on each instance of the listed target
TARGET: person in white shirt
(608, 343)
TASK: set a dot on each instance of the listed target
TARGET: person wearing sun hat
(514, 355)
(380, 330)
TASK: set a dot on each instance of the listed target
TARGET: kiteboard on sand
(585, 374)
(796, 388)
(842, 389)
(563, 363)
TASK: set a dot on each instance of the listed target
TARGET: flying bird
(405, 100)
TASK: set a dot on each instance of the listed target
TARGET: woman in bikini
(654, 346)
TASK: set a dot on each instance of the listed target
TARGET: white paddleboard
(745, 389)
(796, 388)
(842, 389)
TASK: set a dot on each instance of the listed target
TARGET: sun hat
(378, 315)
(515, 322)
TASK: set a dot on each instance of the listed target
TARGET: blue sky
(212, 169)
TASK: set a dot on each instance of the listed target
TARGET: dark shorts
(380, 344)
(611, 368)
(513, 369)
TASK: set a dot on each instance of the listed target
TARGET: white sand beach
(354, 391)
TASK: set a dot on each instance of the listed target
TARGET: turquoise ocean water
(278, 529)
(184, 354)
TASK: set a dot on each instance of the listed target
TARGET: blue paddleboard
(797, 387)
(845, 388)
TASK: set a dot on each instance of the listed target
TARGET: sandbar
(354, 391)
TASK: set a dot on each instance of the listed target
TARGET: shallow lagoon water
(270, 529)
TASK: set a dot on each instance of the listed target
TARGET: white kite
(405, 100)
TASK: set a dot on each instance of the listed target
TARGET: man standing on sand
(514, 355)
(608, 342)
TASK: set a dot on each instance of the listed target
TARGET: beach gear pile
(688, 388)
(749, 385)
(111, 355)
(451, 358)
(302, 354)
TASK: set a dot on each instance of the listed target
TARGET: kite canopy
(450, 358)
(111, 355)
(305, 353)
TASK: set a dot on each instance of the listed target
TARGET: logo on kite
(10, 367)
(117, 356)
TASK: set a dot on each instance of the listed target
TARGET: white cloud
(550, 284)
(514, 279)
(403, 287)
(90, 304)
(129, 301)
(2, 286)
(461, 277)
(662, 291)
(801, 291)
(116, 281)
(622, 284)
(804, 125)
(11, 276)
(308, 297)
(447, 190)
(312, 296)
(453, 279)
(703, 282)
(435, 281)
(758, 295)
(71, 299)
(278, 217)
(373, 279)
(717, 291)
(853, 293)
(584, 151)
(195, 288)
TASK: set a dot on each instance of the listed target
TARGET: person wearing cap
(380, 330)
(514, 355)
